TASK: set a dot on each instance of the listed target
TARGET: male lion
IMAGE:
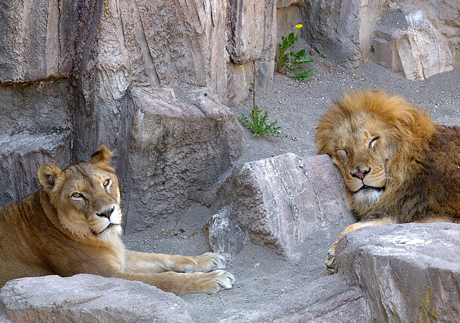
(72, 226)
(398, 165)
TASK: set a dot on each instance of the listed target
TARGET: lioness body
(399, 166)
(73, 225)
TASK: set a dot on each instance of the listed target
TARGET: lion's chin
(366, 196)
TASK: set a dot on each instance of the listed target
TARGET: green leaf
(301, 53)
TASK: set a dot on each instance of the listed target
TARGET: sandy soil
(261, 275)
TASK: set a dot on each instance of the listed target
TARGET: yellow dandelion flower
(298, 26)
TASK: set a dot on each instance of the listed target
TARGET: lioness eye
(106, 182)
(77, 195)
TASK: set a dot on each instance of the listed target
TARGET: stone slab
(409, 272)
(88, 298)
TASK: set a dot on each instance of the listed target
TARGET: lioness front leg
(140, 262)
(184, 283)
(330, 259)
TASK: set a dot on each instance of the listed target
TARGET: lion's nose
(361, 173)
(106, 213)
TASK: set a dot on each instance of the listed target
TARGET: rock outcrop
(179, 143)
(409, 272)
(88, 298)
(279, 201)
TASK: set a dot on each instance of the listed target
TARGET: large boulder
(178, 145)
(279, 201)
(409, 272)
(88, 298)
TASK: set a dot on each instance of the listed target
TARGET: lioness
(73, 225)
(398, 165)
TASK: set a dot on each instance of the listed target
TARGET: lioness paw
(218, 280)
(207, 262)
(224, 279)
(213, 261)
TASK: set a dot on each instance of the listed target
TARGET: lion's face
(369, 136)
(362, 153)
(86, 196)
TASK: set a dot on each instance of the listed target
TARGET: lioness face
(89, 201)
(86, 196)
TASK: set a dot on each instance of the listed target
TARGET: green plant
(258, 124)
(291, 61)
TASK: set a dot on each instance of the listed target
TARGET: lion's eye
(77, 195)
(373, 142)
(106, 183)
(342, 152)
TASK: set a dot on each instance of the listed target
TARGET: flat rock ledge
(88, 298)
(393, 273)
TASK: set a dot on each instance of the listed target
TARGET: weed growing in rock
(258, 124)
(291, 61)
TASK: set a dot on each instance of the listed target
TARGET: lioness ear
(48, 174)
(102, 157)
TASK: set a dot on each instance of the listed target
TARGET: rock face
(88, 298)
(278, 201)
(86, 72)
(342, 30)
(22, 155)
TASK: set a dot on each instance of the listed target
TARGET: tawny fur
(399, 166)
(73, 225)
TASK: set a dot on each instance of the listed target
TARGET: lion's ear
(48, 174)
(101, 157)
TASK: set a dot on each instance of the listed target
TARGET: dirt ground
(261, 275)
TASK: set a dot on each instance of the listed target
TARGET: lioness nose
(106, 213)
(361, 173)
